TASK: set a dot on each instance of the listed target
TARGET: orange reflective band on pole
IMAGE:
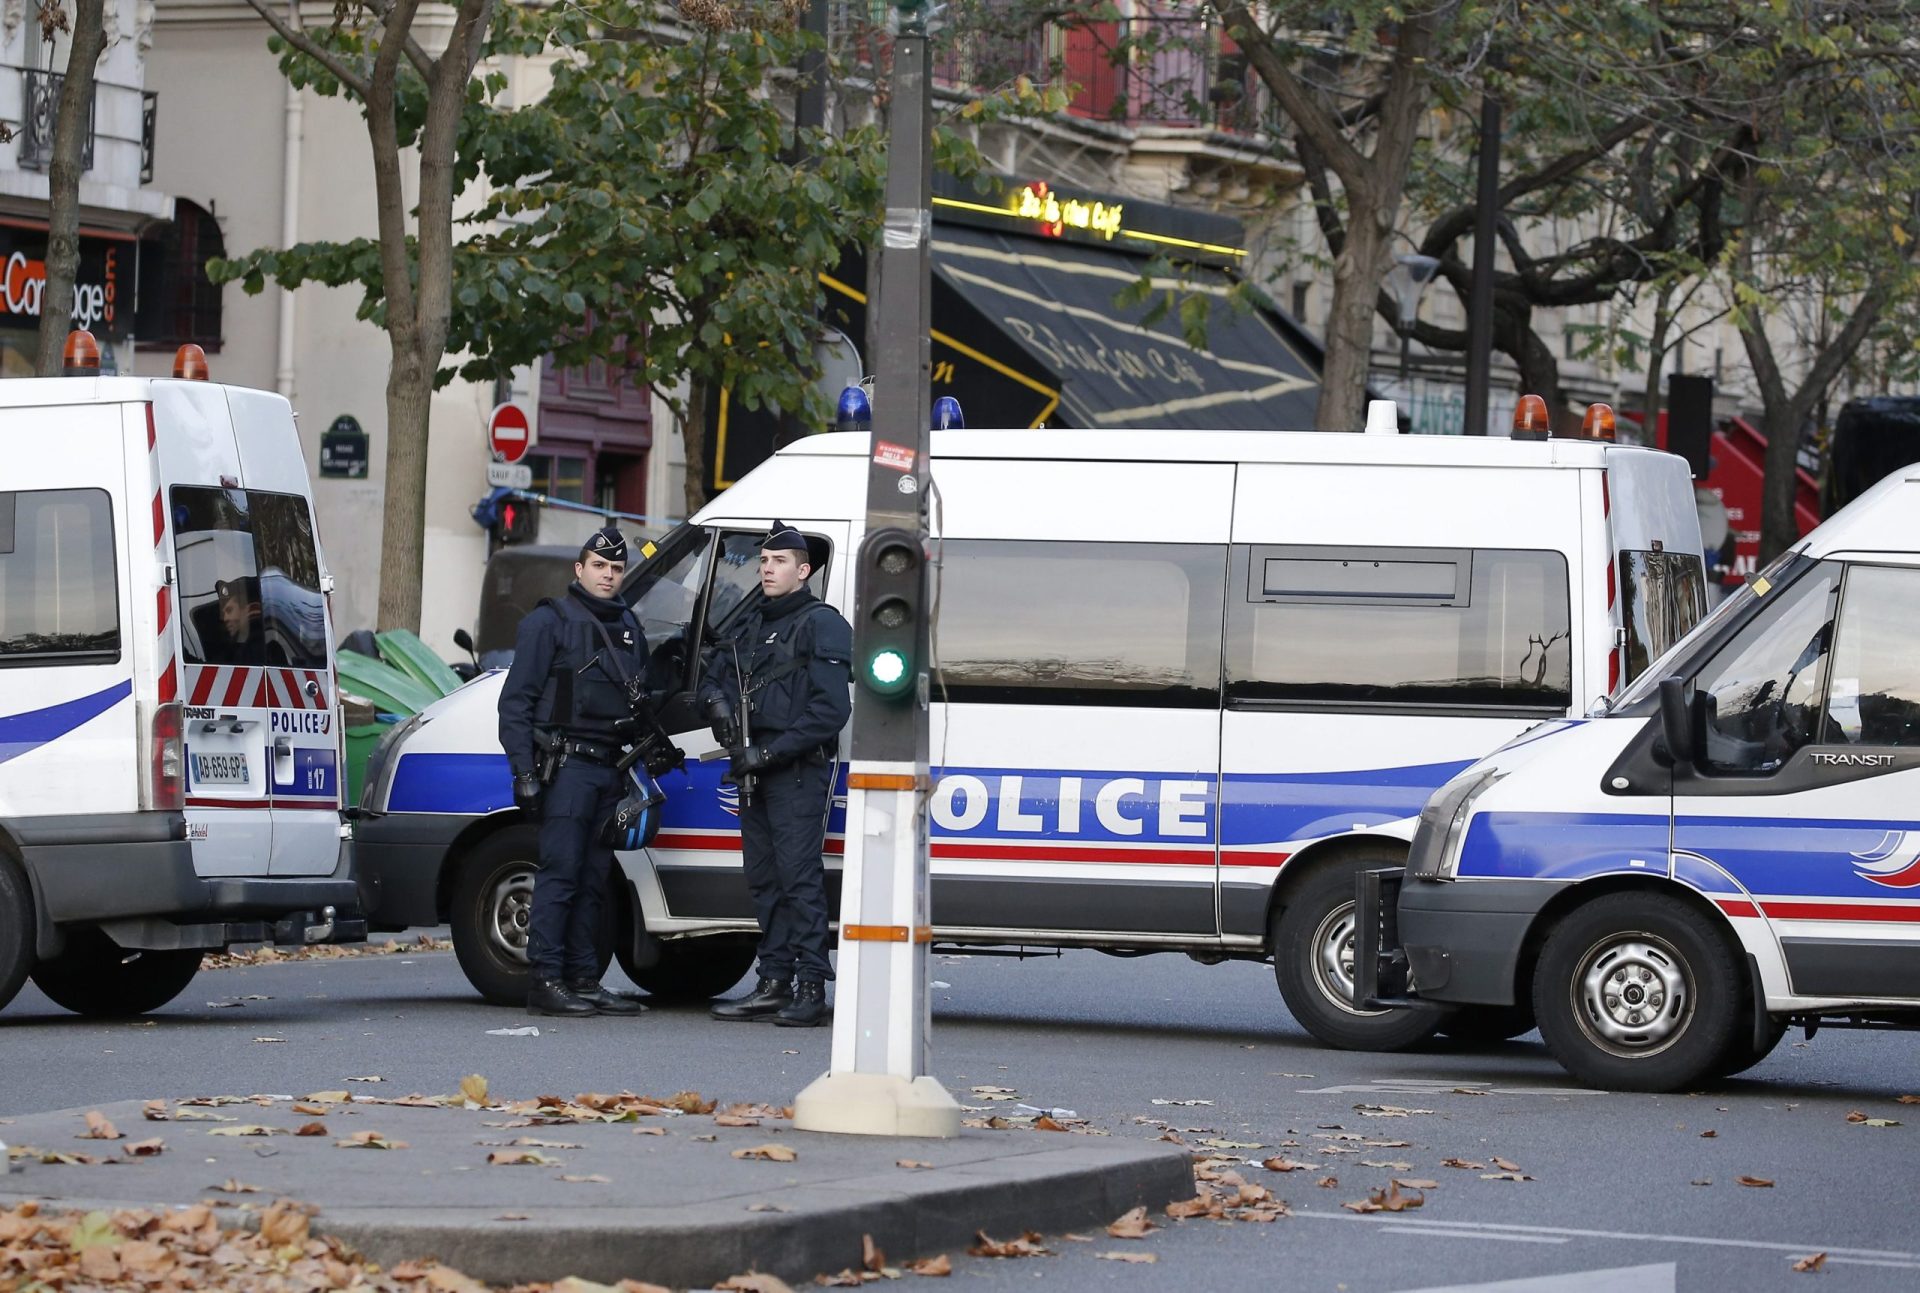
(884, 781)
(886, 933)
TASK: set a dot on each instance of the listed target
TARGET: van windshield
(249, 579)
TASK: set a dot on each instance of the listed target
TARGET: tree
(409, 99)
(74, 120)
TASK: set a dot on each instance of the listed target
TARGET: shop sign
(102, 295)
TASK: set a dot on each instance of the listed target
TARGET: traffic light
(892, 574)
(517, 520)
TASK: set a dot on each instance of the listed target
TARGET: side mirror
(1676, 719)
(463, 640)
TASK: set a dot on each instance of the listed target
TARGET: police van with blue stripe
(1186, 686)
(1732, 848)
(169, 731)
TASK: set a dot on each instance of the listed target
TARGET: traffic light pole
(878, 1083)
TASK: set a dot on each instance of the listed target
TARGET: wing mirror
(1676, 719)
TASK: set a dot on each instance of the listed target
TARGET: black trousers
(571, 890)
(781, 836)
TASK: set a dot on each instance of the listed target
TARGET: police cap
(605, 542)
(784, 536)
(245, 589)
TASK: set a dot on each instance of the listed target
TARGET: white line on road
(1621, 1279)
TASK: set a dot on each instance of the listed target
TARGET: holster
(549, 752)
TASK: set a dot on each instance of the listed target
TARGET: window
(561, 476)
(249, 579)
(59, 594)
(1399, 627)
(178, 302)
(1763, 689)
(1875, 694)
(1079, 623)
(736, 574)
(1662, 596)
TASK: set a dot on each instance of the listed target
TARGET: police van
(1188, 685)
(169, 726)
(1732, 847)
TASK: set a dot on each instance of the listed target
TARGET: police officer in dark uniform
(566, 709)
(776, 691)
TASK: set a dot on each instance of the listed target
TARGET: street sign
(507, 433)
(509, 475)
(343, 449)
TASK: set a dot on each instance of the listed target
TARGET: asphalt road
(1627, 1193)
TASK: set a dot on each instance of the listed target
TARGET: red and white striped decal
(1817, 909)
(1002, 851)
(165, 664)
(256, 687)
(1614, 648)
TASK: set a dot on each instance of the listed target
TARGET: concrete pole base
(876, 1104)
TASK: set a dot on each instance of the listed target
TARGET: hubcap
(509, 912)
(1333, 959)
(1632, 995)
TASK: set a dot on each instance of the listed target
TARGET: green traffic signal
(887, 671)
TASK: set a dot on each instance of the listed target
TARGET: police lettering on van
(1183, 737)
(169, 775)
(1732, 848)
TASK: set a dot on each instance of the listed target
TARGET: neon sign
(1055, 214)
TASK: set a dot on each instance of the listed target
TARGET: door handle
(282, 747)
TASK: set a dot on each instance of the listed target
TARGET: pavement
(665, 1197)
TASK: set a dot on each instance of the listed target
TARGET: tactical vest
(586, 691)
(776, 692)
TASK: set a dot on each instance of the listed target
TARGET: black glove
(720, 715)
(664, 758)
(746, 760)
(626, 730)
(526, 792)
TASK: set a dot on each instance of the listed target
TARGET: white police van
(1188, 685)
(169, 756)
(1732, 847)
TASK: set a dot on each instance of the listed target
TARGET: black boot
(605, 1002)
(768, 997)
(808, 1009)
(551, 997)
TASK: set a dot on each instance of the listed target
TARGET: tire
(692, 969)
(95, 976)
(1313, 960)
(1742, 1054)
(488, 914)
(1485, 1025)
(16, 930)
(1658, 949)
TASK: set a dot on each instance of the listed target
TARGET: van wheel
(1484, 1025)
(1313, 941)
(16, 930)
(96, 976)
(691, 969)
(1638, 992)
(490, 915)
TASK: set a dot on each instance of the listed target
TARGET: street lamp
(1407, 279)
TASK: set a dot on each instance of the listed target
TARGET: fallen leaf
(1386, 1111)
(732, 1120)
(473, 1088)
(1816, 1262)
(1701, 1181)
(706, 1138)
(1077, 1239)
(331, 1097)
(283, 1225)
(154, 1111)
(938, 1264)
(1857, 1117)
(371, 1077)
(754, 1282)
(1505, 1176)
(1182, 1102)
(369, 1140)
(591, 1178)
(768, 1153)
(911, 1163)
(1415, 1184)
(1199, 1206)
(520, 1158)
(768, 1207)
(1387, 1200)
(1906, 1099)
(311, 1109)
(1132, 1224)
(1756, 1182)
(1710, 1134)
(98, 1128)
(1505, 1166)
(1327, 1182)
(1000, 1090)
(143, 1148)
(1139, 1259)
(661, 1131)
(1217, 1143)
(231, 1186)
(248, 1129)
(871, 1258)
(312, 1129)
(1390, 1165)
(1284, 1164)
(1027, 1245)
(690, 1102)
(1462, 1163)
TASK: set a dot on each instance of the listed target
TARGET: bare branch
(300, 40)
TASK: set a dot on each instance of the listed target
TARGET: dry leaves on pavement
(1466, 1164)
(98, 1128)
(1387, 1200)
(154, 1111)
(768, 1153)
(143, 1148)
(1132, 1224)
(313, 1129)
(1138, 1258)
(248, 1129)
(911, 1163)
(1027, 1245)
(1816, 1262)
(754, 1282)
(589, 1178)
(1505, 1176)
(369, 1140)
(521, 1158)
(936, 1265)
(1863, 1120)
(1285, 1164)
(1227, 1196)
(1756, 1182)
(323, 952)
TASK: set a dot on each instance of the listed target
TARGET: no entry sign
(507, 433)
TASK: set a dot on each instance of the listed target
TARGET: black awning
(1055, 301)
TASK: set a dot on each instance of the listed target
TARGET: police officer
(565, 711)
(776, 691)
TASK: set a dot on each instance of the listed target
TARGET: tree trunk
(1779, 529)
(1357, 272)
(63, 183)
(693, 439)
(1656, 359)
(403, 526)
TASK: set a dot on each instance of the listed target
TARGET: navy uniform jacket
(793, 708)
(561, 678)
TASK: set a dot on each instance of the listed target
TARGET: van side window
(664, 590)
(1874, 698)
(59, 590)
(736, 574)
(249, 579)
(1662, 595)
(1765, 689)
(1396, 628)
(1042, 623)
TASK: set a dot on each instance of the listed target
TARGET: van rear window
(59, 595)
(1396, 628)
(1662, 595)
(249, 578)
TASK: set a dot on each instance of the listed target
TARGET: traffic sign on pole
(508, 432)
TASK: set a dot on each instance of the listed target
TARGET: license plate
(224, 769)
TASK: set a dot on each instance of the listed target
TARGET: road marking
(1888, 1257)
(1431, 1086)
(1622, 1279)
(1442, 1231)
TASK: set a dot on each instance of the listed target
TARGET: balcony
(119, 134)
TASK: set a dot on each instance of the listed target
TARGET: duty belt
(592, 751)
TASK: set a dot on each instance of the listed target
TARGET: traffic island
(522, 1191)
